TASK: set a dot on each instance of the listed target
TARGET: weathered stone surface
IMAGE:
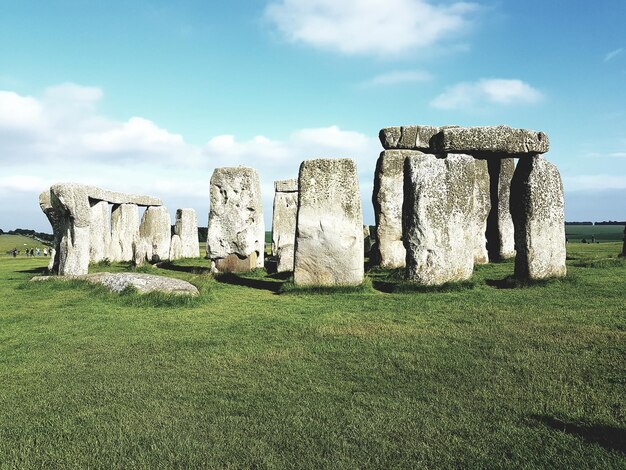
(72, 203)
(409, 137)
(186, 227)
(500, 231)
(537, 208)
(100, 232)
(437, 218)
(482, 207)
(329, 233)
(142, 251)
(144, 283)
(234, 264)
(367, 240)
(53, 260)
(155, 232)
(56, 219)
(284, 223)
(176, 248)
(236, 216)
(489, 141)
(387, 198)
(124, 231)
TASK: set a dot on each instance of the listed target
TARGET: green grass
(8, 242)
(603, 233)
(487, 374)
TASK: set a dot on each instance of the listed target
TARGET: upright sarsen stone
(387, 197)
(500, 230)
(482, 207)
(329, 233)
(537, 207)
(68, 207)
(186, 229)
(438, 220)
(100, 232)
(124, 231)
(236, 234)
(155, 234)
(284, 223)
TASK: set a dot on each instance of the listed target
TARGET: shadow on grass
(609, 437)
(289, 288)
(41, 270)
(254, 283)
(400, 287)
(184, 269)
(511, 282)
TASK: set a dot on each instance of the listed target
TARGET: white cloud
(398, 77)
(594, 182)
(468, 95)
(613, 54)
(64, 138)
(19, 112)
(378, 27)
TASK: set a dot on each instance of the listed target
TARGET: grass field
(483, 374)
(603, 233)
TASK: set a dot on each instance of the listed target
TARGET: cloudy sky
(150, 96)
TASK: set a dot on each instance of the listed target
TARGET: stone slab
(186, 227)
(409, 137)
(155, 233)
(124, 231)
(482, 208)
(144, 283)
(485, 141)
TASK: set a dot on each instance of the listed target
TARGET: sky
(149, 96)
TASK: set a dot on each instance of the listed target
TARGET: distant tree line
(609, 222)
(43, 237)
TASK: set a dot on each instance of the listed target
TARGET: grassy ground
(603, 233)
(8, 242)
(483, 374)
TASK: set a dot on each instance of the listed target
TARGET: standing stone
(176, 248)
(329, 234)
(124, 231)
(482, 207)
(236, 234)
(438, 218)
(284, 223)
(72, 201)
(155, 232)
(100, 232)
(56, 221)
(367, 241)
(69, 209)
(387, 198)
(500, 230)
(537, 208)
(186, 227)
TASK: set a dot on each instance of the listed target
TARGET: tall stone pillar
(438, 221)
(155, 234)
(500, 231)
(329, 232)
(284, 223)
(124, 231)
(236, 234)
(537, 207)
(100, 232)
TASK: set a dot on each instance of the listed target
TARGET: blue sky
(150, 96)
